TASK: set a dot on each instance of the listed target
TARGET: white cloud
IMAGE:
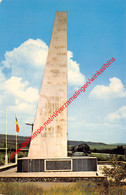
(0, 1)
(21, 90)
(2, 77)
(75, 77)
(22, 107)
(28, 61)
(32, 53)
(119, 114)
(114, 90)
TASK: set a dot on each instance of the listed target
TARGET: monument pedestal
(74, 164)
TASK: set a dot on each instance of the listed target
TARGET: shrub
(22, 154)
(2, 158)
(1, 161)
(116, 173)
(100, 157)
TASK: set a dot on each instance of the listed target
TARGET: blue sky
(96, 30)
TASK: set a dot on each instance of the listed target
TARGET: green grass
(100, 157)
(104, 157)
(77, 188)
(102, 147)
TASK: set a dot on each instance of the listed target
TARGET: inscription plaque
(58, 165)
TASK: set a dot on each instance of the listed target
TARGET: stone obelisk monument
(52, 141)
(48, 150)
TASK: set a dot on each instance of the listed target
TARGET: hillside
(71, 142)
(11, 139)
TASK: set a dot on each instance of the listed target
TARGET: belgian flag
(17, 125)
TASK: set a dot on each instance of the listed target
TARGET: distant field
(100, 147)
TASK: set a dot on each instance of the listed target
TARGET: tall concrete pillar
(52, 141)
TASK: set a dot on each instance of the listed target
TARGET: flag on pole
(17, 126)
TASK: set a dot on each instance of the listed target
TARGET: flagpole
(6, 156)
(16, 149)
(16, 143)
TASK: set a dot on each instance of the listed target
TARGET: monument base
(74, 164)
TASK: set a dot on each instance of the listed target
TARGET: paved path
(13, 173)
(7, 166)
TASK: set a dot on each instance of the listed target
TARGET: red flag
(17, 126)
